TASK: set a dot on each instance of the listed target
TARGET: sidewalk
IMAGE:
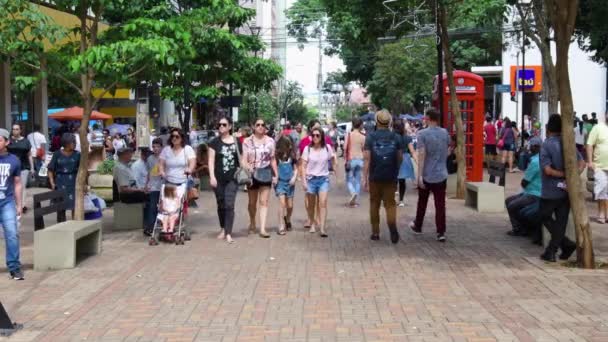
(481, 285)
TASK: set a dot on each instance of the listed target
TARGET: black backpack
(384, 158)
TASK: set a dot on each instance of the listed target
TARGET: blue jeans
(8, 216)
(151, 209)
(354, 176)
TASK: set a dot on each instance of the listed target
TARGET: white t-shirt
(579, 138)
(176, 164)
(36, 139)
(118, 144)
(140, 171)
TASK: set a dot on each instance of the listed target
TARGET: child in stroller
(169, 208)
(170, 215)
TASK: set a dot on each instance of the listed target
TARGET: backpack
(384, 158)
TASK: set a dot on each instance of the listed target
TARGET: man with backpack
(433, 143)
(382, 156)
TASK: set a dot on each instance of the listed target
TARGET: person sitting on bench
(125, 179)
(531, 184)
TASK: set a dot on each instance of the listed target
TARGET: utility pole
(440, 87)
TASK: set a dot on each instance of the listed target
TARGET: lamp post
(524, 6)
(440, 87)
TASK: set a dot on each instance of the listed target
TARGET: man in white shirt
(38, 142)
(140, 168)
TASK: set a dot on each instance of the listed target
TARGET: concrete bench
(58, 246)
(128, 216)
(485, 197)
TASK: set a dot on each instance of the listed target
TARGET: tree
(403, 72)
(592, 29)
(563, 15)
(214, 53)
(538, 30)
(454, 103)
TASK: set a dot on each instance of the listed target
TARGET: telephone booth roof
(467, 83)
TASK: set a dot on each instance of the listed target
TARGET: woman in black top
(21, 148)
(223, 163)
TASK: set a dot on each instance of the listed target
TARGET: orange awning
(75, 113)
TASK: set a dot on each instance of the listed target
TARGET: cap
(4, 133)
(124, 150)
(536, 141)
(383, 118)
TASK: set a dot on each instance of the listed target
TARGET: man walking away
(10, 205)
(38, 142)
(382, 155)
(531, 184)
(554, 194)
(597, 152)
(433, 144)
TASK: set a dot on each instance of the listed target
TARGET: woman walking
(63, 168)
(258, 158)
(223, 163)
(354, 160)
(285, 187)
(118, 143)
(177, 161)
(508, 137)
(316, 159)
(130, 138)
(406, 171)
(22, 149)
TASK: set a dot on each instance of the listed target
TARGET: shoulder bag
(242, 175)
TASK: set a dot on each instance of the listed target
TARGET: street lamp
(524, 6)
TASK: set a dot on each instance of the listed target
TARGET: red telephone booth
(470, 92)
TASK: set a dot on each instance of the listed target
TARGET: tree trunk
(454, 105)
(564, 14)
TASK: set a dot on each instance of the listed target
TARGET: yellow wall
(118, 112)
(120, 94)
(66, 20)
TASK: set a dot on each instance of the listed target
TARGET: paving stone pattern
(479, 286)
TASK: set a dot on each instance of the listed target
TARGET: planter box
(101, 185)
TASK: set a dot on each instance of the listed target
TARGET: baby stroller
(179, 233)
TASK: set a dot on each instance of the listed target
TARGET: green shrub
(106, 167)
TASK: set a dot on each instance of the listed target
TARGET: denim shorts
(283, 188)
(509, 147)
(317, 184)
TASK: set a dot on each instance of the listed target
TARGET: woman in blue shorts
(509, 138)
(285, 186)
(316, 161)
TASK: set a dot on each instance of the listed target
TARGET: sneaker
(416, 231)
(567, 251)
(17, 275)
(353, 200)
(375, 237)
(401, 204)
(548, 256)
(441, 237)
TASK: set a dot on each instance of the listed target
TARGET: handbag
(501, 144)
(241, 175)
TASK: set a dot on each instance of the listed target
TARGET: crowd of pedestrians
(379, 158)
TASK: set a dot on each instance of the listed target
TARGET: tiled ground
(480, 286)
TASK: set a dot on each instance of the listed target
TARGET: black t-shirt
(226, 159)
(20, 148)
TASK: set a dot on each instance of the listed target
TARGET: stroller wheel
(187, 236)
(152, 242)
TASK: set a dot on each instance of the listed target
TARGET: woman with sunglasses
(177, 161)
(315, 166)
(223, 162)
(258, 158)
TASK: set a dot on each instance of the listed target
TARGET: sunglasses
(173, 136)
(260, 125)
(316, 135)
(222, 124)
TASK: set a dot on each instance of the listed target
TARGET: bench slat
(53, 208)
(50, 195)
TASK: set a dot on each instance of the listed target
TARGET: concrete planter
(101, 185)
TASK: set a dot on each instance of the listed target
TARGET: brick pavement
(479, 286)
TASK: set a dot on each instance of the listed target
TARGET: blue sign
(502, 88)
(526, 79)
